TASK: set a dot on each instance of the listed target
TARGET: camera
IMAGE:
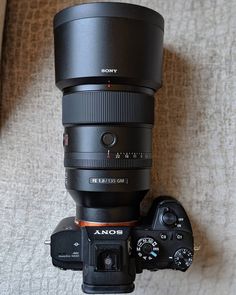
(108, 64)
(111, 256)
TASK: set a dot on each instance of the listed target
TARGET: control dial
(183, 258)
(147, 248)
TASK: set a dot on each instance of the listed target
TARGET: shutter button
(169, 218)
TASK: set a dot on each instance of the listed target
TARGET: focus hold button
(108, 139)
(169, 218)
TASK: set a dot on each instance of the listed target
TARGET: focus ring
(92, 107)
(108, 163)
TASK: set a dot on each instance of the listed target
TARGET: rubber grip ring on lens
(94, 107)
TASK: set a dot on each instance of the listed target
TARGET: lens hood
(108, 43)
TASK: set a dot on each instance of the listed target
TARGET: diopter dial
(147, 248)
(183, 258)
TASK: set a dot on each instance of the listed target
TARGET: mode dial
(147, 248)
(183, 258)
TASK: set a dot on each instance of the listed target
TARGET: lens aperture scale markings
(110, 155)
(132, 155)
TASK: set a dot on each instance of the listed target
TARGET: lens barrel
(108, 61)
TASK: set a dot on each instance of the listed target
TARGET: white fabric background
(194, 147)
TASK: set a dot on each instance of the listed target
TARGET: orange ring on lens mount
(83, 223)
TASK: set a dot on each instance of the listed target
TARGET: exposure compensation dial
(183, 258)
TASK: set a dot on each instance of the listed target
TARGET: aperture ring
(95, 107)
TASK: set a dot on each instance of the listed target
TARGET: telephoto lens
(108, 61)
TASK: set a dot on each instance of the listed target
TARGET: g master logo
(109, 232)
(113, 71)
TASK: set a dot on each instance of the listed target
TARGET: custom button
(169, 218)
(163, 236)
(108, 139)
(179, 236)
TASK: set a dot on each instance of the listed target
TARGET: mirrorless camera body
(110, 256)
(108, 62)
